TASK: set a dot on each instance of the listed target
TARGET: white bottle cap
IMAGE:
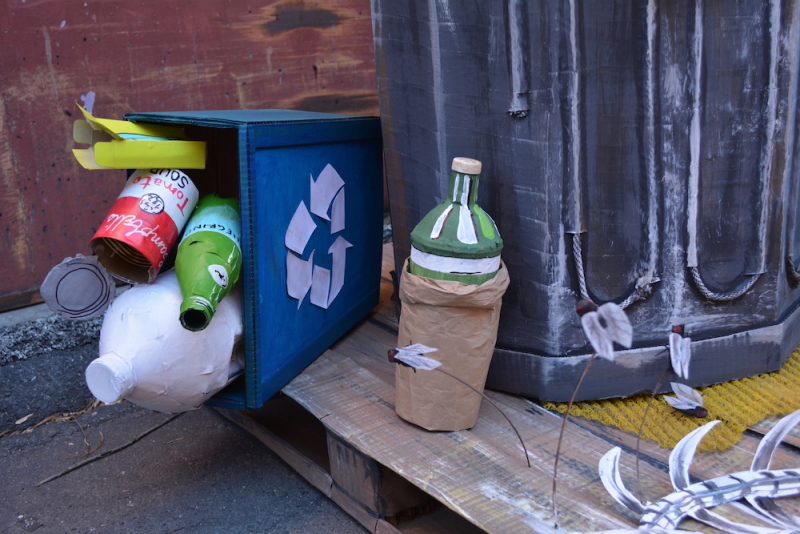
(466, 165)
(110, 378)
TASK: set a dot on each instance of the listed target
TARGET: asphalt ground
(194, 473)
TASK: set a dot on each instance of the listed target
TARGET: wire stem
(482, 394)
(564, 426)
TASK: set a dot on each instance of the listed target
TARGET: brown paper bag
(460, 320)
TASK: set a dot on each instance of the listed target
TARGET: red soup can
(143, 225)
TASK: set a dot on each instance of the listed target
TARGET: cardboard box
(311, 193)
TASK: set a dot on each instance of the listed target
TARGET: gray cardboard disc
(78, 288)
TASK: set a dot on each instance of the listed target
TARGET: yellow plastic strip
(85, 157)
(150, 154)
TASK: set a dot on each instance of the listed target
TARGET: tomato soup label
(150, 213)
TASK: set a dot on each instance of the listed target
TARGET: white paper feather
(686, 398)
(412, 355)
(758, 486)
(618, 325)
(604, 327)
(612, 480)
(680, 353)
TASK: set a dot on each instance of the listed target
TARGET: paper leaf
(687, 393)
(417, 361)
(680, 459)
(680, 404)
(618, 325)
(597, 335)
(680, 354)
(417, 348)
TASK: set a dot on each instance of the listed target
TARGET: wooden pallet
(335, 425)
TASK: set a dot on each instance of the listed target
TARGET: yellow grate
(739, 404)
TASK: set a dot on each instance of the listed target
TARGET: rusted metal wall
(147, 55)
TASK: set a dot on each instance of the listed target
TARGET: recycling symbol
(302, 275)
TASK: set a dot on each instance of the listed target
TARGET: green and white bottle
(209, 259)
(457, 240)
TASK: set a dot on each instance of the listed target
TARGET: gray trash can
(636, 152)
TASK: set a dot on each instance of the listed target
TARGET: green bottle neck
(196, 313)
(463, 188)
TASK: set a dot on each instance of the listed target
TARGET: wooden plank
(370, 484)
(469, 475)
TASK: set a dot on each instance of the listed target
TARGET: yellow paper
(151, 154)
(156, 146)
(115, 128)
(85, 157)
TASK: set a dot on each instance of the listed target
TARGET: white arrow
(323, 190)
(337, 213)
(338, 264)
(300, 229)
(298, 276)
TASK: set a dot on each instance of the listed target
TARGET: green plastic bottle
(209, 259)
(457, 240)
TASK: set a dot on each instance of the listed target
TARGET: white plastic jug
(149, 359)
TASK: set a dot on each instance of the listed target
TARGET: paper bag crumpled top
(460, 320)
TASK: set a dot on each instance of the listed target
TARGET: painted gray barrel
(647, 148)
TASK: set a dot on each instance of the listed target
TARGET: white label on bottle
(221, 219)
(444, 264)
(219, 274)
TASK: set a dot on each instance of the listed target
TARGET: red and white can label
(151, 212)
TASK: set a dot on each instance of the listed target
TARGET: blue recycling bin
(311, 193)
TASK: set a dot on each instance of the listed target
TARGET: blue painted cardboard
(279, 151)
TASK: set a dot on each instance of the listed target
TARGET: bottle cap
(466, 165)
(110, 378)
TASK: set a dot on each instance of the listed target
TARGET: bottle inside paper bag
(454, 278)
(149, 359)
(457, 240)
